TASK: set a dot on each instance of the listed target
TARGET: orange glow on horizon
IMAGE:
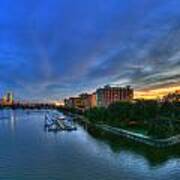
(58, 103)
(155, 93)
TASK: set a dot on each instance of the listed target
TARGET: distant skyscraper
(8, 99)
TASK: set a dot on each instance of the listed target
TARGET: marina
(55, 121)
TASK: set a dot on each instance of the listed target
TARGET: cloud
(53, 49)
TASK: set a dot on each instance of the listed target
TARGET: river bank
(140, 138)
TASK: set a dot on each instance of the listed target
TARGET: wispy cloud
(53, 49)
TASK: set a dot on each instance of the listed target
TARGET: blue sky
(51, 49)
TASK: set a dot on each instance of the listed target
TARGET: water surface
(27, 151)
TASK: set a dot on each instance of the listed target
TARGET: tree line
(159, 120)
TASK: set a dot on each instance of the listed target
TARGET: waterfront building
(83, 102)
(93, 100)
(108, 95)
(88, 100)
(74, 102)
(103, 97)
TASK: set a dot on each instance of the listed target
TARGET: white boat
(58, 121)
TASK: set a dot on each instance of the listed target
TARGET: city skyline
(55, 49)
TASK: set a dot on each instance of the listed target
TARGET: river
(28, 151)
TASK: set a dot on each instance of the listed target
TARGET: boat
(57, 121)
(69, 125)
(53, 127)
(49, 121)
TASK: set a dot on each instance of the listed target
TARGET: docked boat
(69, 125)
(56, 121)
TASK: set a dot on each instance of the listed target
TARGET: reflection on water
(155, 156)
(13, 120)
(8, 117)
(27, 151)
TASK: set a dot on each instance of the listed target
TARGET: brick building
(108, 95)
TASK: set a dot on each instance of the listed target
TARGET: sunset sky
(52, 49)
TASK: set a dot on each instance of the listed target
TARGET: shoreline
(160, 143)
(140, 138)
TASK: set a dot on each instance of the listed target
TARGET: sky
(52, 49)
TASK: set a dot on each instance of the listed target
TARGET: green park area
(148, 117)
